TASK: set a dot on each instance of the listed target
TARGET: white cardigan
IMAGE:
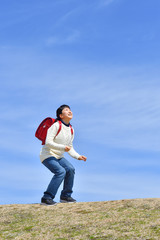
(55, 145)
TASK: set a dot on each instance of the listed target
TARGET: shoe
(67, 200)
(47, 201)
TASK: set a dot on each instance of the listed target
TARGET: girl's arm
(73, 153)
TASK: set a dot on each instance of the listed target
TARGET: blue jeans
(63, 170)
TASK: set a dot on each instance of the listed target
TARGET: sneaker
(67, 200)
(45, 201)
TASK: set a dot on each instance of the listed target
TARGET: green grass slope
(123, 219)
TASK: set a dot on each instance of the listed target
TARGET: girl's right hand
(67, 148)
(82, 158)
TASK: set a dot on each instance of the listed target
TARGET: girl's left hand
(82, 158)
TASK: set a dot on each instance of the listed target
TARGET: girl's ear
(61, 116)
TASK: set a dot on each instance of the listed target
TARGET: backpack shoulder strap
(60, 127)
(71, 129)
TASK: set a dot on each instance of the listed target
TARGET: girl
(52, 157)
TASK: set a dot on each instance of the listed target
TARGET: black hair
(60, 109)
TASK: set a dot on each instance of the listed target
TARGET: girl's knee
(71, 169)
(61, 172)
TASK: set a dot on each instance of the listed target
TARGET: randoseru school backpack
(42, 129)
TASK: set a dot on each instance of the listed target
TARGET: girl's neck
(66, 122)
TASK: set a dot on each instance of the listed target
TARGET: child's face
(66, 114)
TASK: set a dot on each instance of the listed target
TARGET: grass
(123, 219)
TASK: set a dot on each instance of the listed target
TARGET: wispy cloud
(128, 117)
(124, 102)
(117, 186)
(66, 16)
(62, 40)
(107, 2)
(21, 182)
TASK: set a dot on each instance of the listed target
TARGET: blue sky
(102, 58)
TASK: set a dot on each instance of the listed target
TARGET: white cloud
(62, 40)
(66, 16)
(123, 102)
(127, 117)
(107, 2)
(116, 186)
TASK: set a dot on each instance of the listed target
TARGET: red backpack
(42, 129)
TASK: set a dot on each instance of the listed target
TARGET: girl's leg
(69, 177)
(54, 166)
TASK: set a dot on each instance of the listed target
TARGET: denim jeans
(63, 170)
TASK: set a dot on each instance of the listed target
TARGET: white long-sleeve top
(55, 145)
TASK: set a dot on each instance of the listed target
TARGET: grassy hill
(123, 219)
